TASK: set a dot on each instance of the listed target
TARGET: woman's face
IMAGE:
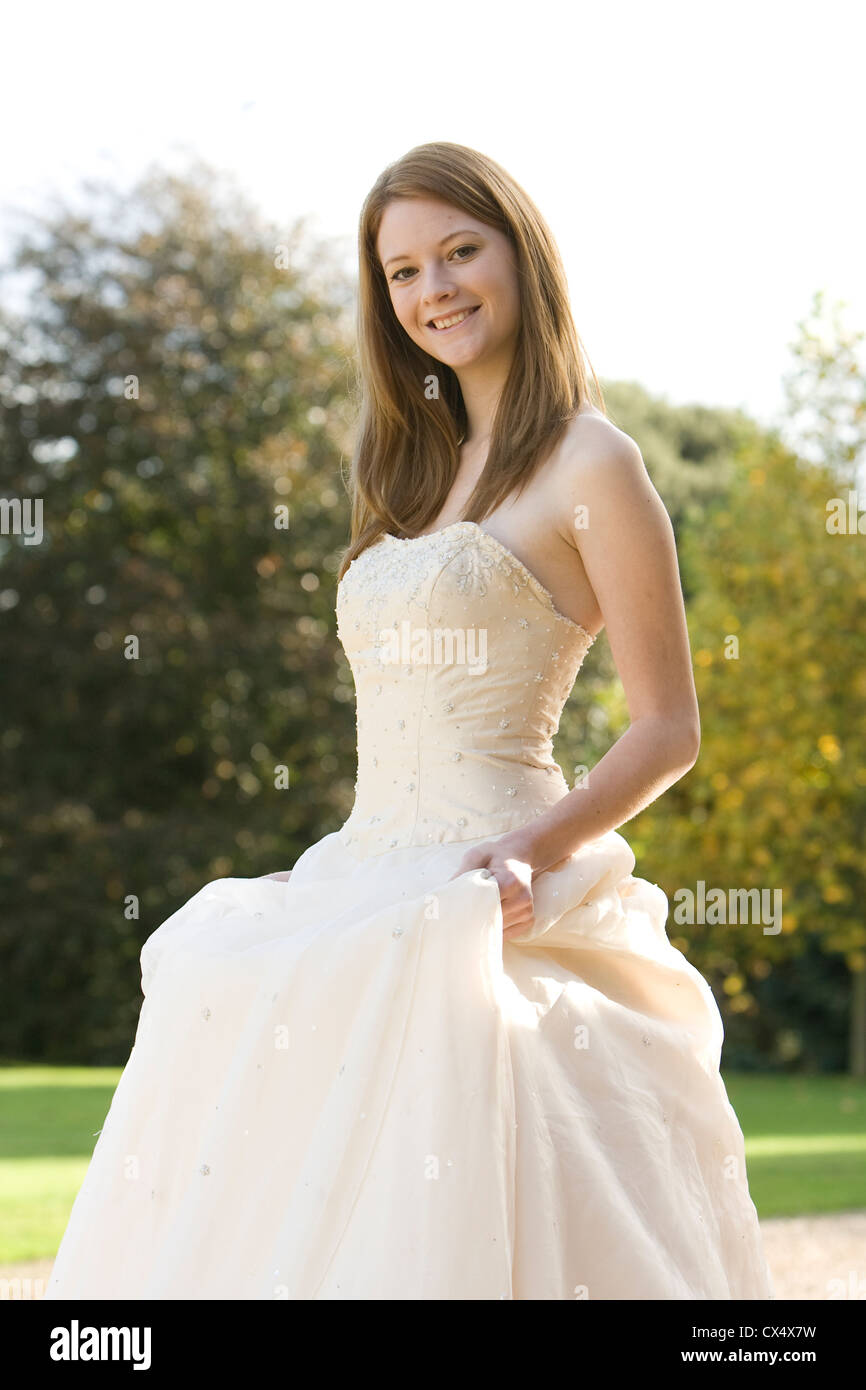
(439, 262)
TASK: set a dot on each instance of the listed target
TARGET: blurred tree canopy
(180, 379)
(777, 799)
(179, 395)
(689, 450)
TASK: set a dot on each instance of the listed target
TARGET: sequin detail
(466, 733)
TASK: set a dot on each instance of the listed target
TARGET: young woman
(452, 1054)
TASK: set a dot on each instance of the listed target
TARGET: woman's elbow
(691, 742)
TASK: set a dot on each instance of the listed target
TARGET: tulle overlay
(348, 1086)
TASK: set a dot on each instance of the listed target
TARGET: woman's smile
(446, 323)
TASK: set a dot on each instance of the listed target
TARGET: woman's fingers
(517, 904)
(517, 919)
(515, 890)
(476, 858)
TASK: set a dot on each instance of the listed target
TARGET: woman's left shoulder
(600, 471)
(591, 440)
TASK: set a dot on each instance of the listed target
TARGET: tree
(778, 796)
(179, 379)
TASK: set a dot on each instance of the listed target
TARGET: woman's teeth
(441, 324)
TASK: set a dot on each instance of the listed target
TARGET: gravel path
(820, 1257)
(814, 1257)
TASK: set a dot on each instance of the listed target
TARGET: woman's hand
(509, 861)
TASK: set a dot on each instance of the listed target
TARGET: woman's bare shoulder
(591, 436)
(593, 458)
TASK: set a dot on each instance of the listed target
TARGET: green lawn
(805, 1141)
(805, 1146)
(48, 1122)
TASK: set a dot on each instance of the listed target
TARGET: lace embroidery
(474, 552)
(382, 571)
(473, 570)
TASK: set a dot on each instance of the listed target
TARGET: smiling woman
(461, 290)
(461, 286)
(453, 1055)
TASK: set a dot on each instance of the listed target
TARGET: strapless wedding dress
(348, 1086)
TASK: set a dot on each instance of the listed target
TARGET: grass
(48, 1122)
(805, 1146)
(805, 1141)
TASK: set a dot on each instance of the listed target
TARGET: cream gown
(348, 1086)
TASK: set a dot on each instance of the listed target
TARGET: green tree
(170, 644)
(688, 449)
(777, 798)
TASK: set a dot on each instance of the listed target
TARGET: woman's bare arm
(629, 554)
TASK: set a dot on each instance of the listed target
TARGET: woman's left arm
(626, 542)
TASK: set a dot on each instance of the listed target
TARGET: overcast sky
(700, 165)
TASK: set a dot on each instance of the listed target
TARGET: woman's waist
(448, 798)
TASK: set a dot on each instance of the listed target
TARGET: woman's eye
(457, 249)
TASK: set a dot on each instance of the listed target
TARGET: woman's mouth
(447, 323)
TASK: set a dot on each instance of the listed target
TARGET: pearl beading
(457, 753)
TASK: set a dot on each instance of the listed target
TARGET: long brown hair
(406, 455)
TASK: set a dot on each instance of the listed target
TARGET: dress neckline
(533, 579)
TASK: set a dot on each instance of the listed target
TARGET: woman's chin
(458, 355)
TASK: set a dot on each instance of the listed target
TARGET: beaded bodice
(462, 665)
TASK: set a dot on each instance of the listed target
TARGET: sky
(699, 164)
